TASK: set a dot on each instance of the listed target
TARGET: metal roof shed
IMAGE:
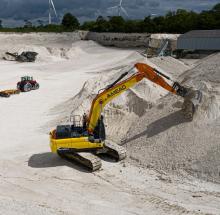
(200, 40)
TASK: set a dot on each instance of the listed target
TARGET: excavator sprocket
(115, 151)
(87, 159)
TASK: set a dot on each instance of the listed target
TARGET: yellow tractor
(83, 141)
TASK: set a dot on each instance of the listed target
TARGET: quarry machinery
(8, 93)
(27, 83)
(82, 142)
(23, 57)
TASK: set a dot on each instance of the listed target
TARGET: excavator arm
(118, 87)
(108, 95)
(157, 77)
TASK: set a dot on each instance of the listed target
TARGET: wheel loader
(27, 84)
(82, 142)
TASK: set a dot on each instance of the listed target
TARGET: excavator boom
(154, 76)
(106, 96)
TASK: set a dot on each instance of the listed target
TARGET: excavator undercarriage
(91, 158)
(74, 143)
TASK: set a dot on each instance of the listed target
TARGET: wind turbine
(51, 7)
(120, 9)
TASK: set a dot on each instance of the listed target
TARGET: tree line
(69, 23)
(179, 21)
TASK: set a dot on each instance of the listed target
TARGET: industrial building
(200, 40)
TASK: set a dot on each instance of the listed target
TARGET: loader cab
(26, 78)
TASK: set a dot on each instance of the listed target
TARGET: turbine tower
(119, 8)
(51, 7)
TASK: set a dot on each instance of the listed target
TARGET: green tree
(70, 22)
(134, 26)
(0, 23)
(159, 23)
(88, 26)
(216, 8)
(216, 14)
(206, 21)
(101, 25)
(180, 21)
(117, 24)
(148, 25)
(40, 22)
(27, 24)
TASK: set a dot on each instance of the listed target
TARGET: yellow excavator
(83, 141)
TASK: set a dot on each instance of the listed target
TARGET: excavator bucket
(197, 98)
(192, 100)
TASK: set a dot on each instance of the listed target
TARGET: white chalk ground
(33, 181)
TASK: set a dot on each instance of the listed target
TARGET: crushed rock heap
(163, 140)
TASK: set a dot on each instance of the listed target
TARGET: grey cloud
(154, 4)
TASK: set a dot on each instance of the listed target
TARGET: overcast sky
(13, 12)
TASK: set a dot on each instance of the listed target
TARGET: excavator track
(87, 159)
(115, 151)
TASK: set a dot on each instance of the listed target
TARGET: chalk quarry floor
(34, 181)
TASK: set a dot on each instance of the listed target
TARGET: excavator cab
(78, 128)
(75, 129)
(74, 142)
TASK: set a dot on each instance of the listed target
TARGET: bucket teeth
(195, 96)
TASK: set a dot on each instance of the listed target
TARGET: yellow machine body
(12, 92)
(78, 144)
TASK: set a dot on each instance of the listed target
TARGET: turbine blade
(120, 2)
(53, 7)
(125, 12)
(49, 5)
